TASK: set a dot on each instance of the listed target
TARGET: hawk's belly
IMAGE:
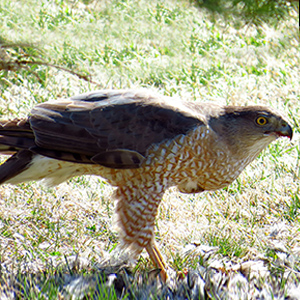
(195, 162)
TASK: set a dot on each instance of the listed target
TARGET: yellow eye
(261, 121)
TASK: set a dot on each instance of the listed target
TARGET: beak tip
(290, 133)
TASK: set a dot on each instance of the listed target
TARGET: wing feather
(113, 128)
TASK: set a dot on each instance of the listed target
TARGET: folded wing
(111, 128)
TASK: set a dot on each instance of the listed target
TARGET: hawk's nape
(141, 143)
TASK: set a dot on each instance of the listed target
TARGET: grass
(175, 48)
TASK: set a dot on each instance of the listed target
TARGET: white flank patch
(53, 171)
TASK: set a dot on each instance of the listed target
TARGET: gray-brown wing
(111, 129)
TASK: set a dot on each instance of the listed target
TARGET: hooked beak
(285, 130)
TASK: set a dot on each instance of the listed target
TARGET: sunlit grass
(174, 48)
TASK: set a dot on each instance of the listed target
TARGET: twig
(81, 76)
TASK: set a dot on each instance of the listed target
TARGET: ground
(173, 48)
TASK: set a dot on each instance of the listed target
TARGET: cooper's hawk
(142, 144)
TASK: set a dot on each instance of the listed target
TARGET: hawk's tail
(16, 137)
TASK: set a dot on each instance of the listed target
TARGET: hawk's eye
(261, 121)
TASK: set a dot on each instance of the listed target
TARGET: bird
(142, 143)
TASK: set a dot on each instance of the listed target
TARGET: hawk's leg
(136, 211)
(157, 259)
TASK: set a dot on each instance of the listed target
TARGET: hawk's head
(250, 128)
